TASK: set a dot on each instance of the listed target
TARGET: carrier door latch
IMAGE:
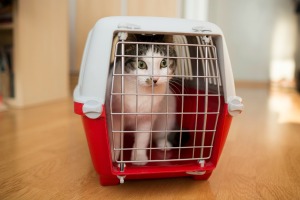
(235, 105)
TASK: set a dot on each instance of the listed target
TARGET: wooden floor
(44, 155)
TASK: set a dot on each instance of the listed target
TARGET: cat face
(152, 69)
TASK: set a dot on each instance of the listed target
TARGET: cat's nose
(154, 81)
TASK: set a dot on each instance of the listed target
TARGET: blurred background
(42, 41)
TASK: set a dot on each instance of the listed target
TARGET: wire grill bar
(205, 101)
(177, 95)
(167, 160)
(162, 113)
(122, 102)
(158, 148)
(171, 131)
(178, 57)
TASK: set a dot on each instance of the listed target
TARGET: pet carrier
(202, 88)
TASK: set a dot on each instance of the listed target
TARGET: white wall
(194, 9)
(251, 31)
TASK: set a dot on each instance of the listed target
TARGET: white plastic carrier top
(91, 88)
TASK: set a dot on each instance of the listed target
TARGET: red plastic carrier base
(109, 173)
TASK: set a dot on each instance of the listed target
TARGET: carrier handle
(92, 109)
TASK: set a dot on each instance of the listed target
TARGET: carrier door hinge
(122, 35)
(200, 172)
(92, 109)
(122, 179)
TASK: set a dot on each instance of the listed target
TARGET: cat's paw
(162, 144)
(142, 158)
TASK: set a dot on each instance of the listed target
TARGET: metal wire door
(197, 87)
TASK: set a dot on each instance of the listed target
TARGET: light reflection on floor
(285, 102)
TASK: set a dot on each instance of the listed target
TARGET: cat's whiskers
(176, 83)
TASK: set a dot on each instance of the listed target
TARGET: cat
(148, 77)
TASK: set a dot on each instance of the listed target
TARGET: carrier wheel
(203, 177)
(108, 180)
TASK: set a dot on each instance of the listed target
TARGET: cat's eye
(163, 63)
(142, 65)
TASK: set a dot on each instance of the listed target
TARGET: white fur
(143, 104)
